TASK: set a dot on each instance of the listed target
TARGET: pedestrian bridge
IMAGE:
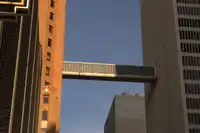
(108, 72)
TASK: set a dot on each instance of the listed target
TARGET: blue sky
(106, 31)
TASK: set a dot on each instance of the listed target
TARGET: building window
(186, 22)
(194, 118)
(190, 47)
(45, 99)
(188, 2)
(48, 56)
(43, 130)
(183, 10)
(46, 83)
(47, 71)
(191, 74)
(49, 42)
(51, 15)
(52, 3)
(193, 103)
(194, 130)
(190, 61)
(50, 29)
(189, 35)
(192, 89)
(45, 115)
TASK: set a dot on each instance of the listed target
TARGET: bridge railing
(89, 68)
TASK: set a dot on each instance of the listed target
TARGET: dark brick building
(20, 73)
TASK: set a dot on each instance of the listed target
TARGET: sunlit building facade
(52, 36)
(171, 43)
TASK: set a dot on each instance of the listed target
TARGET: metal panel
(134, 70)
(88, 68)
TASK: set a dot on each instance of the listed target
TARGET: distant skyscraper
(126, 115)
(171, 43)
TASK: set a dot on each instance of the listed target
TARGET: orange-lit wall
(55, 63)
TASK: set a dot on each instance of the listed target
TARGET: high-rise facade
(31, 53)
(126, 115)
(171, 43)
(20, 73)
(51, 33)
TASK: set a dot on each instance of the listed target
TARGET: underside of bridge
(107, 72)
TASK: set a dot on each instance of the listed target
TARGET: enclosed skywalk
(108, 72)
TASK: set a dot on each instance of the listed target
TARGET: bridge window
(48, 56)
(47, 71)
(44, 115)
(49, 42)
(52, 3)
(110, 69)
(86, 68)
(51, 16)
(45, 98)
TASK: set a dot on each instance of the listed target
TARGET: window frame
(49, 42)
(48, 56)
(51, 16)
(45, 98)
(47, 71)
(45, 115)
(46, 83)
(50, 29)
(52, 3)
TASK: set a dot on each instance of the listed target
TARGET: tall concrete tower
(127, 114)
(171, 43)
(52, 33)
